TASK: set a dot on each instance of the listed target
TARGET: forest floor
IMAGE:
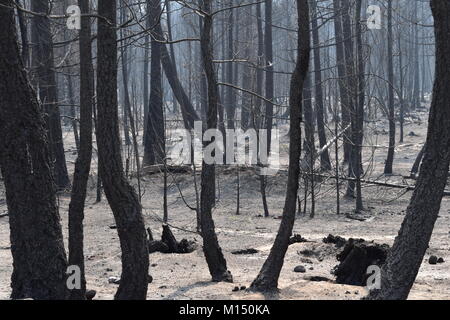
(186, 276)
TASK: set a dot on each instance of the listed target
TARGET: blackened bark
(154, 139)
(83, 162)
(213, 253)
(121, 196)
(37, 247)
(359, 112)
(390, 44)
(406, 256)
(42, 62)
(267, 279)
(349, 76)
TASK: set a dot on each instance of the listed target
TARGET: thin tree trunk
(325, 162)
(391, 150)
(213, 253)
(267, 279)
(121, 196)
(83, 163)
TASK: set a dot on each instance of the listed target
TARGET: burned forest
(227, 150)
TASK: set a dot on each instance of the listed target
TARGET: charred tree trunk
(39, 259)
(121, 196)
(154, 151)
(213, 253)
(42, 62)
(391, 150)
(83, 163)
(406, 256)
(349, 77)
(267, 279)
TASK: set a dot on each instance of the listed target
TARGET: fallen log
(376, 183)
(169, 244)
(160, 168)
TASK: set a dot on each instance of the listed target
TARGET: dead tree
(83, 163)
(267, 279)
(39, 259)
(406, 256)
(45, 80)
(213, 253)
(325, 162)
(154, 138)
(122, 198)
(390, 43)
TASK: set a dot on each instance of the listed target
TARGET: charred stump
(355, 258)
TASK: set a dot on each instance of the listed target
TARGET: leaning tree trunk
(406, 256)
(42, 61)
(121, 196)
(83, 163)
(213, 253)
(39, 259)
(267, 279)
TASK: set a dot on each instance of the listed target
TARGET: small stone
(115, 280)
(154, 265)
(347, 292)
(433, 260)
(90, 294)
(441, 260)
(235, 289)
(243, 287)
(109, 269)
(149, 279)
(300, 269)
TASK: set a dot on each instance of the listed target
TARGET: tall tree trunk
(42, 62)
(83, 163)
(121, 196)
(404, 259)
(213, 253)
(325, 163)
(349, 75)
(359, 112)
(39, 259)
(267, 279)
(268, 55)
(230, 102)
(391, 150)
(154, 152)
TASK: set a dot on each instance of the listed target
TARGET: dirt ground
(187, 277)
